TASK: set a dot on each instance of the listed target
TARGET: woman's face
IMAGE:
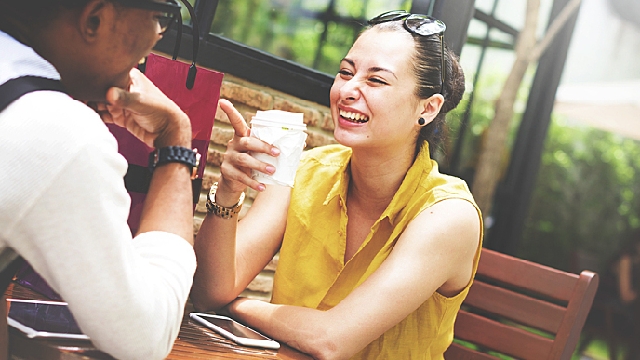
(373, 100)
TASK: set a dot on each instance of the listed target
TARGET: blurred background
(568, 182)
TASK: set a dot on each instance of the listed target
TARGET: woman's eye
(377, 81)
(345, 73)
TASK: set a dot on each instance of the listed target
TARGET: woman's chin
(347, 138)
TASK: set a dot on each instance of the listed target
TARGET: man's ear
(431, 107)
(93, 17)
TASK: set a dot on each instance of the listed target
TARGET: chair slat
(527, 275)
(457, 351)
(500, 337)
(577, 312)
(520, 308)
(522, 293)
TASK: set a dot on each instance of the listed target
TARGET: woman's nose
(350, 90)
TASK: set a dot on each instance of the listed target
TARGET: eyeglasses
(419, 24)
(169, 10)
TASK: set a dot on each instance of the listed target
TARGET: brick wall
(249, 98)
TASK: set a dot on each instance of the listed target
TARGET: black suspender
(13, 89)
(10, 261)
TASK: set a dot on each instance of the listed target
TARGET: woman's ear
(431, 107)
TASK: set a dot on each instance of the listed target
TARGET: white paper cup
(286, 131)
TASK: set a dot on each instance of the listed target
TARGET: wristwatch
(221, 211)
(178, 154)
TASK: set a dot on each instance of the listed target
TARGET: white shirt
(64, 208)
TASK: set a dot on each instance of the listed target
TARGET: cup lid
(277, 124)
(280, 116)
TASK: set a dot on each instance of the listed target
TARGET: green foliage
(586, 197)
(479, 119)
(294, 29)
(585, 203)
(186, 16)
(481, 114)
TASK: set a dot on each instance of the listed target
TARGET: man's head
(92, 43)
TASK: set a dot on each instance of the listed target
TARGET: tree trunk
(494, 145)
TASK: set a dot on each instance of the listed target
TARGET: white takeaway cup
(286, 131)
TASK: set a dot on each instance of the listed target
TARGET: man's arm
(127, 294)
(149, 115)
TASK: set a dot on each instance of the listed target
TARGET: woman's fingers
(242, 142)
(237, 121)
(237, 179)
(238, 162)
(246, 161)
(237, 166)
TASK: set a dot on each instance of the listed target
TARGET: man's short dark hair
(37, 11)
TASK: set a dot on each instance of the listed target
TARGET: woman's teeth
(355, 117)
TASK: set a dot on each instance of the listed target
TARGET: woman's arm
(226, 265)
(435, 253)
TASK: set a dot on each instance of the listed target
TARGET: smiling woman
(370, 218)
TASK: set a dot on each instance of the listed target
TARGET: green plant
(586, 197)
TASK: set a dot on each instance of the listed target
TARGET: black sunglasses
(169, 10)
(419, 24)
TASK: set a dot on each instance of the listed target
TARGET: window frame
(262, 68)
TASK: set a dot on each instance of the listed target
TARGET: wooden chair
(10, 262)
(523, 310)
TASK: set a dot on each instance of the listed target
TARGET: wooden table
(194, 342)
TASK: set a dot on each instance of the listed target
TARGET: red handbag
(199, 103)
(196, 91)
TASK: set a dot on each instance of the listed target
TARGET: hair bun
(454, 84)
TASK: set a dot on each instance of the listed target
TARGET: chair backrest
(523, 310)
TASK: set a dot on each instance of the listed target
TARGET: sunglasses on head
(418, 24)
(169, 10)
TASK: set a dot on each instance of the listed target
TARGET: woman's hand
(237, 163)
(147, 113)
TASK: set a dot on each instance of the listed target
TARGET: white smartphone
(234, 331)
(46, 319)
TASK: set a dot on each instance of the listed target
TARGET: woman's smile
(354, 117)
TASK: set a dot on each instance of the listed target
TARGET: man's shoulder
(52, 117)
(54, 103)
(45, 131)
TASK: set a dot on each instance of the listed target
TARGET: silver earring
(421, 121)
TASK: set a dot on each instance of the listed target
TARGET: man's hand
(147, 113)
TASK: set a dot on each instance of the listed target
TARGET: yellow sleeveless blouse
(311, 271)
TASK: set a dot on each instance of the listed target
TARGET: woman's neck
(376, 178)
